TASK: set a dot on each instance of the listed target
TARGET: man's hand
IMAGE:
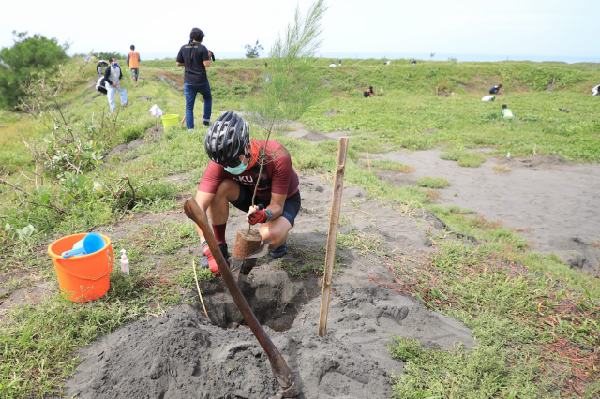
(258, 215)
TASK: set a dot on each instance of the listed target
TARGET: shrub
(68, 151)
(253, 51)
(20, 63)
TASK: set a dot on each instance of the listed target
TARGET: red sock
(219, 230)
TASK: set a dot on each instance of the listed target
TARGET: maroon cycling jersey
(278, 176)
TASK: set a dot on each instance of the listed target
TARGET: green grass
(363, 243)
(467, 224)
(457, 373)
(388, 165)
(525, 324)
(433, 182)
(519, 304)
(463, 158)
(408, 114)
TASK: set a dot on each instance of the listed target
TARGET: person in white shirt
(113, 76)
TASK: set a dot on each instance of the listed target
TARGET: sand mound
(182, 354)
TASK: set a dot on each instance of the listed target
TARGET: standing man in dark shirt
(195, 58)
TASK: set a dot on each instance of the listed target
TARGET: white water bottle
(124, 262)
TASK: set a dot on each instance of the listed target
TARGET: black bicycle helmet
(227, 139)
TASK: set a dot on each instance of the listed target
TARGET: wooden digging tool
(280, 369)
(334, 216)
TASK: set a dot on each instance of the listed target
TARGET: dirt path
(181, 354)
(554, 204)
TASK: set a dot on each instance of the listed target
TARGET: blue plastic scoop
(92, 242)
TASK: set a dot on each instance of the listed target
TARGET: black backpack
(101, 86)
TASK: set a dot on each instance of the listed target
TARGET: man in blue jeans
(195, 58)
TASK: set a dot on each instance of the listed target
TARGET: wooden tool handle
(279, 366)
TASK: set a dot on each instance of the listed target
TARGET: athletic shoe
(279, 252)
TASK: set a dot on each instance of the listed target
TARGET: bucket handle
(111, 258)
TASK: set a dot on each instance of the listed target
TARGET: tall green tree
(27, 58)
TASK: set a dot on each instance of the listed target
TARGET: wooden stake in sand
(198, 287)
(334, 216)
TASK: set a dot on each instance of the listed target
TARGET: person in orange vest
(133, 62)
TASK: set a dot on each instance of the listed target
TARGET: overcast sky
(565, 28)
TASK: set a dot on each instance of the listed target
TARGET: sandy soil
(182, 354)
(554, 204)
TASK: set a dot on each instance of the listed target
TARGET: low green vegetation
(527, 311)
(361, 242)
(481, 373)
(384, 164)
(464, 158)
(535, 333)
(433, 182)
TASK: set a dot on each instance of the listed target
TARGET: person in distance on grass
(231, 176)
(507, 113)
(113, 76)
(495, 90)
(369, 92)
(133, 62)
(196, 58)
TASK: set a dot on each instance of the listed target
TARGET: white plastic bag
(155, 111)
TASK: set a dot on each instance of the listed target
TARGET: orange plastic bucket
(82, 278)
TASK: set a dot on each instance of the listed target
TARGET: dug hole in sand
(181, 354)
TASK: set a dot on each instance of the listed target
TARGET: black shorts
(291, 207)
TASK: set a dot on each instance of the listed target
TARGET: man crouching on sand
(231, 176)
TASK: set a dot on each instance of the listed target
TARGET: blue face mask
(238, 169)
(115, 65)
